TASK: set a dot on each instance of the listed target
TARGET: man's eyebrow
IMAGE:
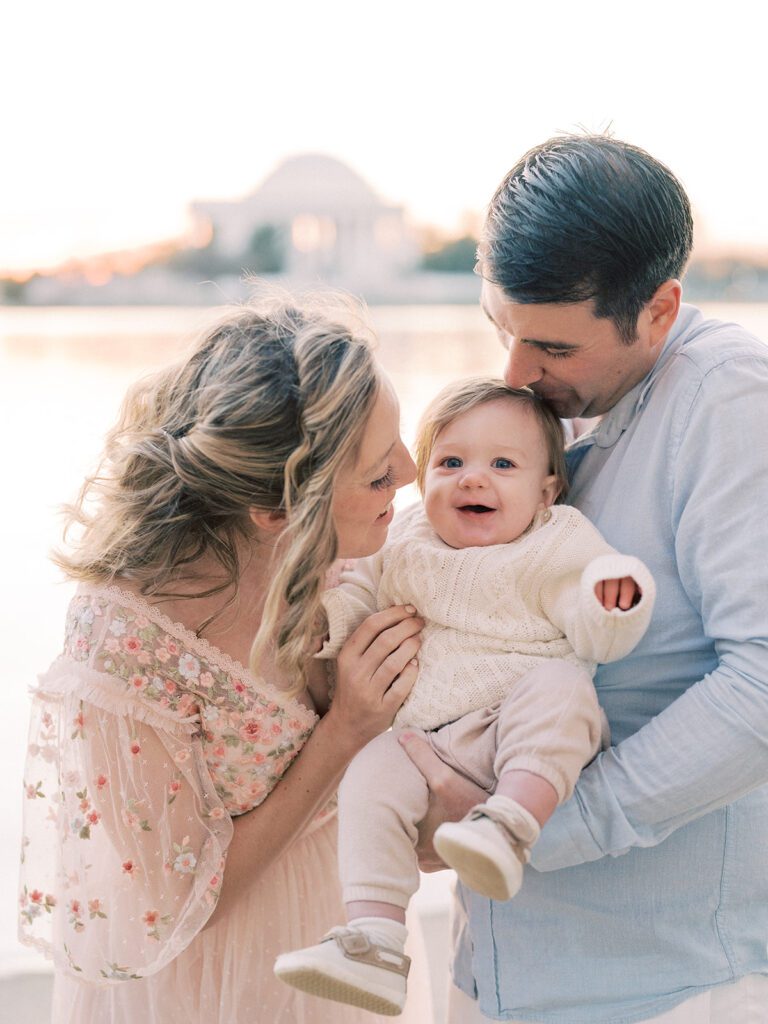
(378, 462)
(564, 346)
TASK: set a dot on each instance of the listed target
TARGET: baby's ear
(550, 489)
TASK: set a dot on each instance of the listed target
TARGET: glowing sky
(116, 116)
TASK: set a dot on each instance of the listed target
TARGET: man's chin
(567, 407)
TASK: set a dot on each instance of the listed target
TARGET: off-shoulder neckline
(198, 645)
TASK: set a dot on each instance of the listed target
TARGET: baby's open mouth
(476, 508)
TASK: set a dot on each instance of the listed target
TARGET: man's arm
(710, 746)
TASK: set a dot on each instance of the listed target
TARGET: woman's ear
(550, 489)
(267, 520)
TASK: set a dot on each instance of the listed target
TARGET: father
(650, 886)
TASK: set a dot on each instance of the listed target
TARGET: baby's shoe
(490, 847)
(348, 967)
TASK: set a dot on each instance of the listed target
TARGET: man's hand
(623, 594)
(451, 796)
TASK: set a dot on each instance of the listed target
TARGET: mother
(187, 857)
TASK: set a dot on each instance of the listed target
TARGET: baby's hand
(622, 594)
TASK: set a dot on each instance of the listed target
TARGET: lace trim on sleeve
(67, 678)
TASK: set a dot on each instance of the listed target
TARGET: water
(62, 375)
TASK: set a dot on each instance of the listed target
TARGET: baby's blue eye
(503, 464)
(452, 462)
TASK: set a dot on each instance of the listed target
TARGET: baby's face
(487, 476)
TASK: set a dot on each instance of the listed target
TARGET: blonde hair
(263, 414)
(461, 396)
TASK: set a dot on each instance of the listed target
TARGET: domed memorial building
(313, 219)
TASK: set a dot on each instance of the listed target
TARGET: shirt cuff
(565, 840)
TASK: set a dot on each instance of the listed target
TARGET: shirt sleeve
(709, 747)
(350, 602)
(124, 835)
(570, 602)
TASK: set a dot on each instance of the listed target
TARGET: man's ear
(550, 489)
(267, 520)
(663, 309)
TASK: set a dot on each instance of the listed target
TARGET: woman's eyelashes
(388, 480)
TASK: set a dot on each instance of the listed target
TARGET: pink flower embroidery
(129, 868)
(170, 686)
(250, 732)
(206, 680)
(162, 654)
(138, 682)
(135, 748)
(101, 781)
(131, 644)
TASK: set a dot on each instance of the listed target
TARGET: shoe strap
(520, 827)
(355, 945)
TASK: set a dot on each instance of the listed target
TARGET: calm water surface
(62, 375)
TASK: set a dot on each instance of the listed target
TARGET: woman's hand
(376, 669)
(451, 796)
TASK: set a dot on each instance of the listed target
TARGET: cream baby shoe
(348, 967)
(490, 847)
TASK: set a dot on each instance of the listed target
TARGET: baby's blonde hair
(463, 395)
(263, 414)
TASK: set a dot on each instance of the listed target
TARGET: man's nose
(522, 367)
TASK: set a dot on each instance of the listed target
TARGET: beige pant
(743, 1002)
(550, 724)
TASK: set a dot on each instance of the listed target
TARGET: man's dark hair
(587, 217)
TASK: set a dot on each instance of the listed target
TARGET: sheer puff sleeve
(124, 833)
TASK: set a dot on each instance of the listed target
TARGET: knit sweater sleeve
(352, 601)
(568, 597)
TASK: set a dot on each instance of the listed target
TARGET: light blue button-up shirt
(651, 883)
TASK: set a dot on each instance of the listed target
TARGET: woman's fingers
(395, 662)
(451, 796)
(369, 631)
(402, 685)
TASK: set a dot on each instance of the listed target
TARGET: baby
(521, 597)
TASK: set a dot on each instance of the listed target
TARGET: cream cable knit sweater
(492, 613)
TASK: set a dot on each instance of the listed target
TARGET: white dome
(317, 182)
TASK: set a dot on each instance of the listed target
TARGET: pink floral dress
(144, 742)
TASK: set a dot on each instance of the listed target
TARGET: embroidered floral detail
(33, 790)
(174, 788)
(152, 919)
(132, 817)
(95, 908)
(79, 724)
(185, 861)
(116, 973)
(81, 826)
(76, 915)
(33, 903)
